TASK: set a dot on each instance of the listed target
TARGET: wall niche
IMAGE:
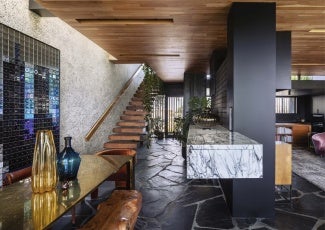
(29, 96)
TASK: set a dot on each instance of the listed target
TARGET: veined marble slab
(219, 153)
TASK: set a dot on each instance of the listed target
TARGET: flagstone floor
(171, 202)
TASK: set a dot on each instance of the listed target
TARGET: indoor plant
(199, 110)
(157, 127)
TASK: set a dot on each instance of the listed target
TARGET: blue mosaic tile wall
(29, 96)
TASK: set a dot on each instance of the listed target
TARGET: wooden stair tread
(126, 136)
(136, 99)
(133, 112)
(121, 144)
(136, 103)
(131, 129)
(132, 123)
(135, 107)
(132, 118)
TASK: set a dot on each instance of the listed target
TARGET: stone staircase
(130, 131)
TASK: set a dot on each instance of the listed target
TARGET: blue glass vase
(68, 162)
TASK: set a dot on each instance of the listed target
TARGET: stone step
(135, 107)
(137, 103)
(126, 137)
(132, 123)
(138, 130)
(121, 145)
(136, 113)
(132, 118)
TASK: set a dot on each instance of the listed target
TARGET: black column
(283, 60)
(252, 61)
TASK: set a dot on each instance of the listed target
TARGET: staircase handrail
(101, 119)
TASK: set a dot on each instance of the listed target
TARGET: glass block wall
(29, 96)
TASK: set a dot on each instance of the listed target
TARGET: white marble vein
(219, 153)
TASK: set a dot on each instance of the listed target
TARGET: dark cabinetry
(317, 123)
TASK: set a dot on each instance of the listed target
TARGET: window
(306, 78)
(286, 105)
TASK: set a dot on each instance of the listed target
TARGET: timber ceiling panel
(177, 36)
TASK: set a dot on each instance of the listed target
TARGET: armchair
(319, 143)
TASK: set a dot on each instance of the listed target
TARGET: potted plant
(182, 125)
(199, 109)
(157, 127)
(150, 88)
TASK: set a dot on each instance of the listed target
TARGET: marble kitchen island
(219, 153)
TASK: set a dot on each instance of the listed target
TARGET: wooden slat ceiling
(174, 36)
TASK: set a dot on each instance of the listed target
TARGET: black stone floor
(172, 202)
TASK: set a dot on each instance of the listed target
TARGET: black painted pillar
(283, 60)
(252, 61)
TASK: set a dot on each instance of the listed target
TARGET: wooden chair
(120, 178)
(18, 175)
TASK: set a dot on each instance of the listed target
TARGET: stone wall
(89, 81)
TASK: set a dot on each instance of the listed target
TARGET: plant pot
(160, 135)
(184, 152)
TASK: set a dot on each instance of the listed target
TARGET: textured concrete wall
(89, 82)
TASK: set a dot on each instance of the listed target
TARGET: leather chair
(120, 177)
(18, 175)
(319, 143)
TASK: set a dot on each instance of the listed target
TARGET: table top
(21, 209)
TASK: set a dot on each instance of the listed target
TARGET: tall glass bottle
(44, 171)
(68, 162)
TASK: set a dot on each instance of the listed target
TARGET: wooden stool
(119, 211)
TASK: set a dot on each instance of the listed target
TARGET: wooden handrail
(110, 107)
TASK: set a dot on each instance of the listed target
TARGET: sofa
(318, 140)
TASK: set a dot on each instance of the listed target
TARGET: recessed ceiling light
(106, 21)
(317, 31)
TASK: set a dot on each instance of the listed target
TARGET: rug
(309, 166)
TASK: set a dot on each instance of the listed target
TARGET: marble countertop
(216, 135)
(219, 153)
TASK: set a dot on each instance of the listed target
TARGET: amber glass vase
(44, 171)
(44, 209)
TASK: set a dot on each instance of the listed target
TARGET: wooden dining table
(20, 208)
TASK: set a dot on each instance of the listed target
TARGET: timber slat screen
(175, 109)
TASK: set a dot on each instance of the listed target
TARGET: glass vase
(44, 209)
(68, 162)
(44, 171)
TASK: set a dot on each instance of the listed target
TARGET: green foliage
(181, 128)
(199, 107)
(152, 86)
(156, 125)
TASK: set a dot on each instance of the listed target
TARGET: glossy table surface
(21, 209)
